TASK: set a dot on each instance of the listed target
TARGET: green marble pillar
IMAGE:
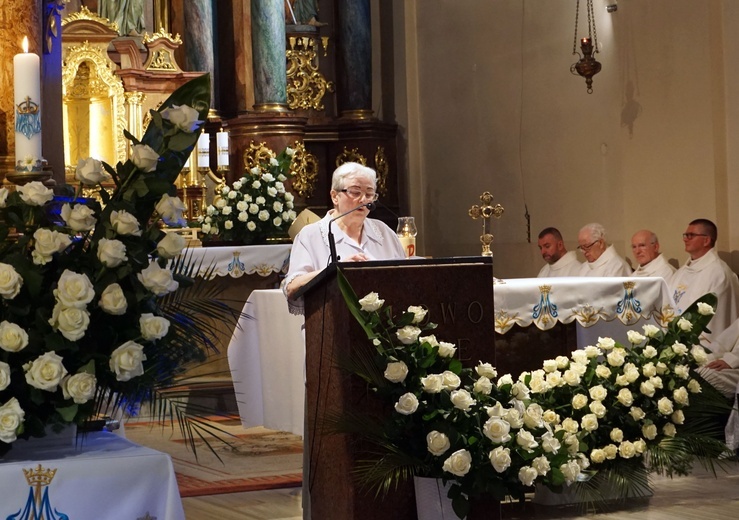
(354, 59)
(199, 24)
(268, 49)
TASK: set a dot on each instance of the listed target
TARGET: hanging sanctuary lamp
(587, 66)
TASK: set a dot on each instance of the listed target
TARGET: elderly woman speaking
(357, 237)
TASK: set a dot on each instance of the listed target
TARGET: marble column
(17, 19)
(269, 55)
(354, 44)
(199, 26)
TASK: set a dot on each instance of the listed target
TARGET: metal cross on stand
(485, 211)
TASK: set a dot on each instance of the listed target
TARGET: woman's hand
(359, 257)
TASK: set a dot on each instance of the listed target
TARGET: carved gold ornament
(304, 168)
(383, 170)
(85, 14)
(306, 86)
(352, 155)
(256, 154)
(149, 38)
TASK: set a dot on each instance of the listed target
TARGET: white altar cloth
(545, 301)
(106, 478)
(238, 261)
(266, 356)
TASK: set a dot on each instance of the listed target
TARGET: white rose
(127, 361)
(527, 475)
(71, 322)
(541, 465)
(602, 371)
(571, 377)
(79, 217)
(647, 388)
(35, 193)
(496, 411)
(483, 386)
(243, 217)
(532, 417)
(682, 371)
(263, 215)
(205, 228)
(371, 303)
(650, 352)
(45, 372)
(228, 224)
(407, 404)
(550, 443)
(505, 379)
(598, 455)
(47, 242)
(704, 309)
(171, 210)
(171, 245)
(157, 280)
(679, 349)
(462, 400)
(539, 385)
(572, 443)
(579, 356)
(598, 409)
(153, 327)
(634, 337)
(631, 372)
(497, 430)
(459, 463)
(669, 430)
(694, 386)
(549, 365)
(579, 401)
(4, 197)
(396, 371)
(656, 382)
(650, 330)
(144, 157)
(649, 431)
(617, 435)
(125, 223)
(699, 354)
(684, 325)
(592, 352)
(550, 417)
(419, 313)
(79, 387)
(437, 443)
(91, 172)
(570, 425)
(637, 413)
(450, 380)
(640, 446)
(627, 449)
(681, 396)
(12, 337)
(111, 253)
(486, 370)
(579, 368)
(611, 450)
(11, 419)
(606, 343)
(408, 334)
(10, 281)
(4, 375)
(598, 393)
(113, 301)
(251, 226)
(617, 356)
(183, 117)
(589, 422)
(625, 397)
(500, 459)
(74, 290)
(570, 470)
(513, 417)
(446, 349)
(526, 440)
(665, 406)
(433, 383)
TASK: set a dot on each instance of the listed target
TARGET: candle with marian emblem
(27, 95)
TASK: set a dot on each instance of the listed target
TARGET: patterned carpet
(250, 459)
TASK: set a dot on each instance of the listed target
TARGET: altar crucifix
(486, 211)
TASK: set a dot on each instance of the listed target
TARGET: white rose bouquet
(255, 207)
(603, 408)
(88, 317)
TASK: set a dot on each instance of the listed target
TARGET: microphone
(331, 242)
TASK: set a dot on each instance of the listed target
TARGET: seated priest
(722, 369)
(703, 273)
(357, 238)
(559, 261)
(602, 259)
(645, 248)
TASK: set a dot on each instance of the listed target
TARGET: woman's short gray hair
(352, 169)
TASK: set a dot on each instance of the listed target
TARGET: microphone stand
(331, 241)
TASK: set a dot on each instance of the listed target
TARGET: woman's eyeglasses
(356, 193)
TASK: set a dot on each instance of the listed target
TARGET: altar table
(266, 356)
(237, 261)
(104, 477)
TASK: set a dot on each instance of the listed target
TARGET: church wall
(499, 110)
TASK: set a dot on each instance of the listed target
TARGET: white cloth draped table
(238, 261)
(107, 478)
(266, 356)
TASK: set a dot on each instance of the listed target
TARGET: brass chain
(591, 23)
(577, 14)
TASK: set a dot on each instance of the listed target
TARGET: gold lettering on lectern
(475, 312)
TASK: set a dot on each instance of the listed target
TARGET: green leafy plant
(596, 416)
(91, 316)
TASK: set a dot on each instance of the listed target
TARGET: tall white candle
(222, 143)
(27, 90)
(204, 150)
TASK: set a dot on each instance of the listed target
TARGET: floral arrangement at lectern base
(89, 317)
(256, 207)
(602, 410)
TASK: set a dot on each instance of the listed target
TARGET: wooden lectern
(458, 293)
